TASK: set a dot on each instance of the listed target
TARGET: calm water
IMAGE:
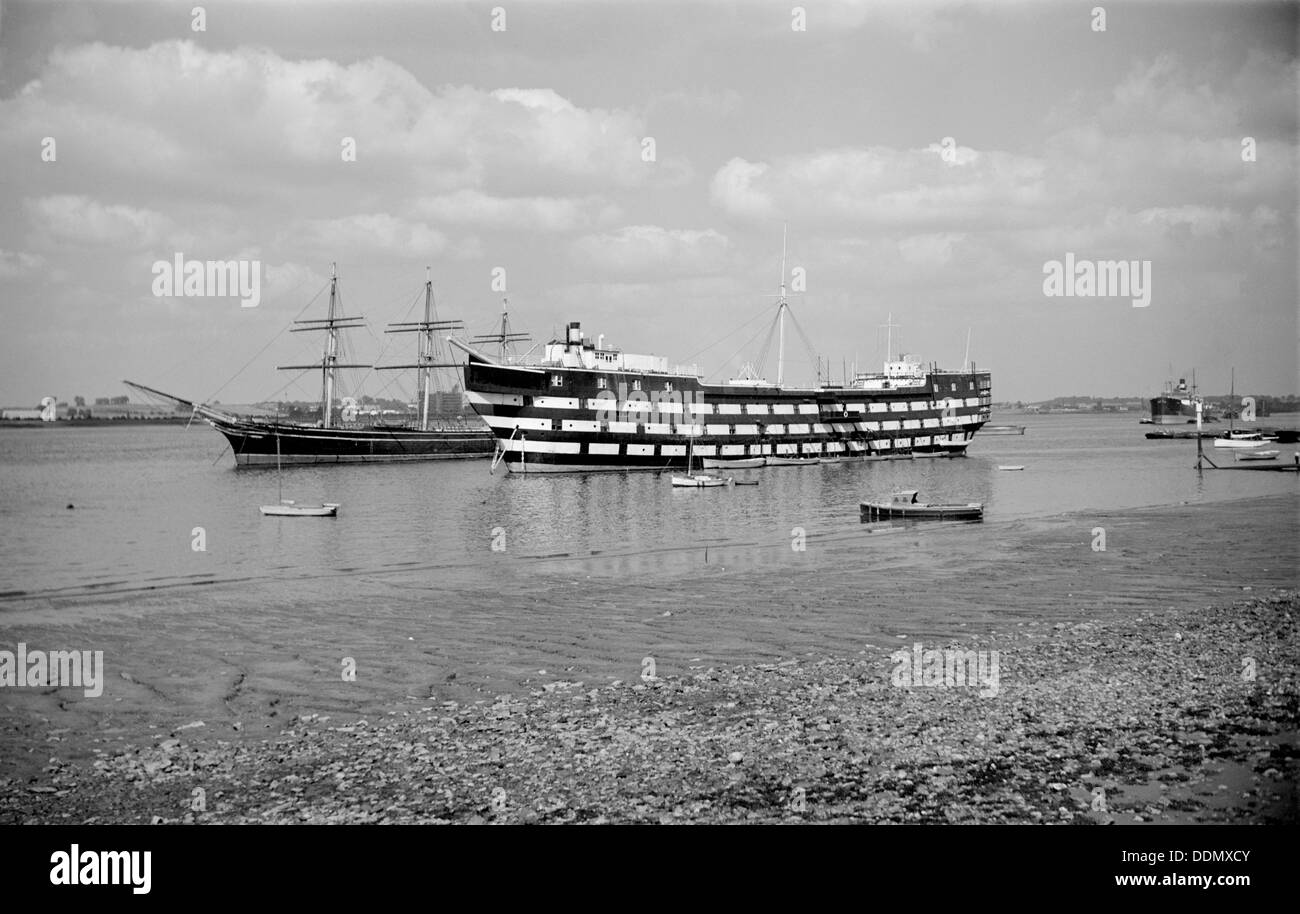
(139, 492)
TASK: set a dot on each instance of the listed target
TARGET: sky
(633, 166)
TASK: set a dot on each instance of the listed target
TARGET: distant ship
(338, 437)
(588, 407)
(1177, 406)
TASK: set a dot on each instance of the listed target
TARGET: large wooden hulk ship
(585, 407)
(338, 437)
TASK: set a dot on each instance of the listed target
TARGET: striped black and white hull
(566, 419)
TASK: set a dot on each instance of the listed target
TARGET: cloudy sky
(525, 149)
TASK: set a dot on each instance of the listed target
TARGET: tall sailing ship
(588, 407)
(338, 437)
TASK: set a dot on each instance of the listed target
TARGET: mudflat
(1154, 680)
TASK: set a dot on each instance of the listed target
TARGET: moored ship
(588, 407)
(1177, 405)
(338, 437)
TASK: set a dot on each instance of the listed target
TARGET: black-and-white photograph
(540, 412)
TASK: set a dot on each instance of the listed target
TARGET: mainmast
(780, 316)
(426, 348)
(329, 363)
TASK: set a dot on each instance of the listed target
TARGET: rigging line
(718, 341)
(269, 342)
(766, 348)
(385, 344)
(293, 380)
(803, 336)
(736, 353)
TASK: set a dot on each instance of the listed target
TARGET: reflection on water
(138, 493)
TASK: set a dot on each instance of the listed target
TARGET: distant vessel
(904, 504)
(1003, 430)
(1177, 405)
(590, 407)
(338, 437)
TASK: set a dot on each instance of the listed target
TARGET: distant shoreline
(74, 423)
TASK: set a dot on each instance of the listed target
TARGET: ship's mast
(889, 337)
(780, 316)
(424, 351)
(329, 363)
(505, 338)
(331, 355)
(426, 348)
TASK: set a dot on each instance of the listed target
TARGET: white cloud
(168, 109)
(883, 187)
(372, 232)
(18, 263)
(79, 219)
(531, 214)
(732, 189)
(647, 250)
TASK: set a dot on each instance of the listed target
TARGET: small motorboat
(290, 509)
(1011, 466)
(904, 504)
(744, 482)
(738, 463)
(1256, 455)
(1002, 430)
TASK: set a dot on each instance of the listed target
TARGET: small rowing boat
(739, 463)
(289, 509)
(1256, 455)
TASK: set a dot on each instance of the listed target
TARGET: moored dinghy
(737, 463)
(904, 504)
(289, 509)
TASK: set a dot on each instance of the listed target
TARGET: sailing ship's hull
(254, 443)
(556, 419)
